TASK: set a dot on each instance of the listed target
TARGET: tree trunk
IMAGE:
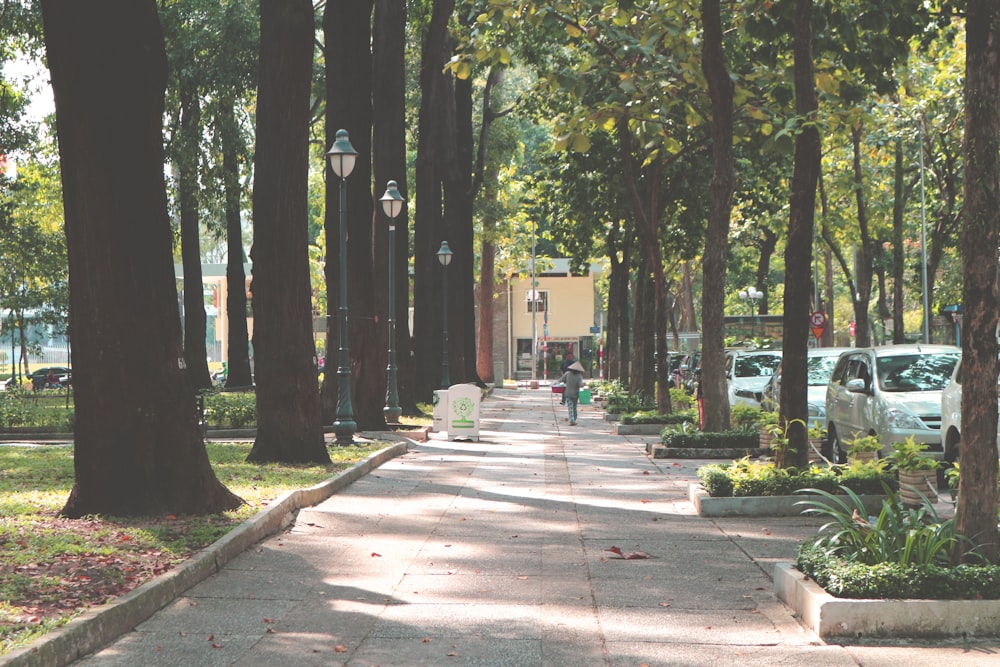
(427, 233)
(108, 71)
(289, 426)
(195, 321)
(389, 163)
(720, 91)
(866, 258)
(240, 373)
(898, 256)
(798, 250)
(976, 514)
(616, 331)
(768, 243)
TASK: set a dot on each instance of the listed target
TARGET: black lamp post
(444, 256)
(392, 206)
(342, 157)
(752, 295)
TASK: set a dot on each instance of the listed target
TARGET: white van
(891, 391)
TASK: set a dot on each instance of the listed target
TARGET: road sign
(595, 330)
(817, 319)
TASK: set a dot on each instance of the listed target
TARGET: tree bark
(720, 91)
(898, 257)
(240, 374)
(195, 320)
(976, 514)
(798, 250)
(289, 426)
(389, 163)
(138, 449)
(428, 232)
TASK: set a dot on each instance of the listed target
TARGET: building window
(536, 301)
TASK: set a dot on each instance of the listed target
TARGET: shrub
(653, 417)
(745, 416)
(234, 409)
(899, 534)
(22, 408)
(746, 477)
(699, 439)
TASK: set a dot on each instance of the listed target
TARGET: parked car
(891, 391)
(40, 378)
(820, 363)
(951, 415)
(747, 371)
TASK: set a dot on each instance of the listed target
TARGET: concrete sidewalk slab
(496, 553)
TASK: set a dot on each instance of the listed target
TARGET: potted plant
(769, 424)
(863, 448)
(816, 436)
(917, 471)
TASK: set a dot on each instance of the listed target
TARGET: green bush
(699, 439)
(847, 579)
(746, 477)
(230, 409)
(899, 534)
(44, 410)
(653, 417)
(743, 416)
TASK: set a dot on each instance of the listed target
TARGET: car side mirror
(857, 386)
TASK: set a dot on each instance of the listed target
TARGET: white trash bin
(463, 411)
(440, 411)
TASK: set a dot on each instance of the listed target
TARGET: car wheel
(837, 452)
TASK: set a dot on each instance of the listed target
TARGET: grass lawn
(51, 568)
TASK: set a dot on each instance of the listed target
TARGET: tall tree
(108, 70)
(976, 514)
(348, 36)
(798, 251)
(289, 426)
(389, 164)
(720, 89)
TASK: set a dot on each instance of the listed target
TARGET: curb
(707, 506)
(832, 617)
(101, 625)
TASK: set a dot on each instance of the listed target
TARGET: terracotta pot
(913, 481)
(765, 439)
(815, 446)
(863, 456)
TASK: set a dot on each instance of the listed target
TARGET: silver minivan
(892, 391)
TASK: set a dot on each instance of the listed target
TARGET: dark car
(40, 378)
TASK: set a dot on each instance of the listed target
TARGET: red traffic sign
(817, 319)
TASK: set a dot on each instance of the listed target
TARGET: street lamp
(444, 256)
(923, 221)
(752, 295)
(342, 157)
(392, 206)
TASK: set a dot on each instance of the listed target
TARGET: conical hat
(576, 366)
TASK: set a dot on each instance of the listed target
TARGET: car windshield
(819, 369)
(916, 372)
(757, 365)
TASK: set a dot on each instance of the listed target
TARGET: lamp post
(923, 221)
(444, 256)
(392, 206)
(752, 295)
(342, 157)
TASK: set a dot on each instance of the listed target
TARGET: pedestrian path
(541, 544)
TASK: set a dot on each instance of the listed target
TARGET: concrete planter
(708, 506)
(639, 429)
(829, 616)
(658, 451)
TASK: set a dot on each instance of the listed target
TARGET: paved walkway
(498, 553)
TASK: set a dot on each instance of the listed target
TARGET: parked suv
(892, 391)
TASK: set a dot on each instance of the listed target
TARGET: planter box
(706, 505)
(829, 616)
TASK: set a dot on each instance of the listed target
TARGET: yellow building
(560, 312)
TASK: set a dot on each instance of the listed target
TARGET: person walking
(568, 361)
(573, 381)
